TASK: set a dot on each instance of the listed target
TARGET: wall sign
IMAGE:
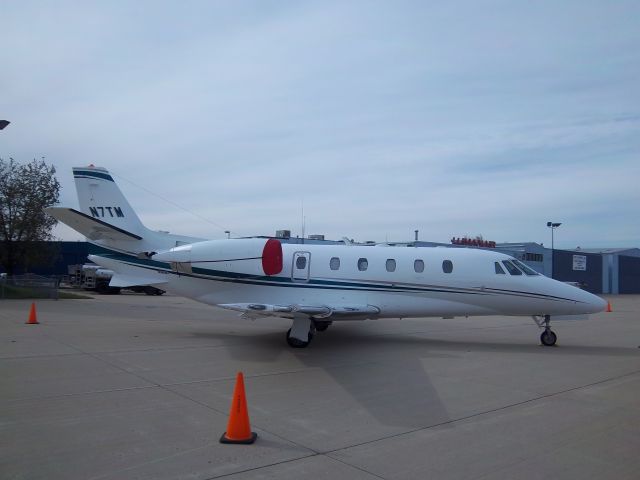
(580, 262)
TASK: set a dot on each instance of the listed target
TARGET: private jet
(314, 285)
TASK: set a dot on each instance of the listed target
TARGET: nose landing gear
(548, 338)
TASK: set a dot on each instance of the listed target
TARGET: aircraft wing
(317, 312)
(90, 227)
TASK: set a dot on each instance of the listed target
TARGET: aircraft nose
(600, 303)
(594, 302)
(583, 302)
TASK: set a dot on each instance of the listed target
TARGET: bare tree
(25, 190)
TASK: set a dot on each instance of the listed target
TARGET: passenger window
(334, 263)
(418, 266)
(525, 268)
(363, 264)
(499, 269)
(391, 265)
(513, 270)
(301, 263)
(447, 266)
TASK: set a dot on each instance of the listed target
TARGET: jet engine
(253, 256)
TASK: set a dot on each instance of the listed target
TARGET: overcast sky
(379, 118)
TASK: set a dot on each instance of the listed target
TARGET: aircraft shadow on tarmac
(384, 373)
(409, 400)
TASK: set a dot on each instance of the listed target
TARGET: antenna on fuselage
(302, 219)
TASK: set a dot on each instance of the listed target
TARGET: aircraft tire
(548, 338)
(295, 343)
(321, 326)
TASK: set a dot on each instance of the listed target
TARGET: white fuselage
(230, 272)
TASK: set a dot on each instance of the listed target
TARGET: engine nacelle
(253, 256)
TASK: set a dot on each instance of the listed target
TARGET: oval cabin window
(363, 264)
(447, 266)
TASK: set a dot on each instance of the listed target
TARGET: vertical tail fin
(107, 219)
(99, 197)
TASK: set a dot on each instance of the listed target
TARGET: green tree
(25, 190)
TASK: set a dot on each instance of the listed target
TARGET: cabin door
(300, 267)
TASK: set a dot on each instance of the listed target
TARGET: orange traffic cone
(238, 428)
(609, 309)
(33, 319)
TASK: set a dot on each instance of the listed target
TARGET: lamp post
(552, 226)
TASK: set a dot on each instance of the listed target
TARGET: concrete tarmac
(131, 386)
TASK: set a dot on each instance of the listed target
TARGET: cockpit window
(513, 270)
(525, 268)
(499, 269)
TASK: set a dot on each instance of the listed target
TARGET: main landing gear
(321, 325)
(302, 331)
(548, 337)
(296, 342)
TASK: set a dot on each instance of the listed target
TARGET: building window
(533, 257)
(363, 264)
(391, 265)
(447, 266)
(334, 263)
(499, 269)
(301, 263)
(418, 266)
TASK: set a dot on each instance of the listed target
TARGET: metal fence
(28, 286)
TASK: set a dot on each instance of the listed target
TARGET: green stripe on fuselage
(323, 284)
(246, 278)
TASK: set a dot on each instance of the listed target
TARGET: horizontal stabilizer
(119, 280)
(90, 227)
(126, 275)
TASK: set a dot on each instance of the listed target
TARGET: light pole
(552, 226)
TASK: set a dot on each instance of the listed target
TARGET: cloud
(469, 118)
